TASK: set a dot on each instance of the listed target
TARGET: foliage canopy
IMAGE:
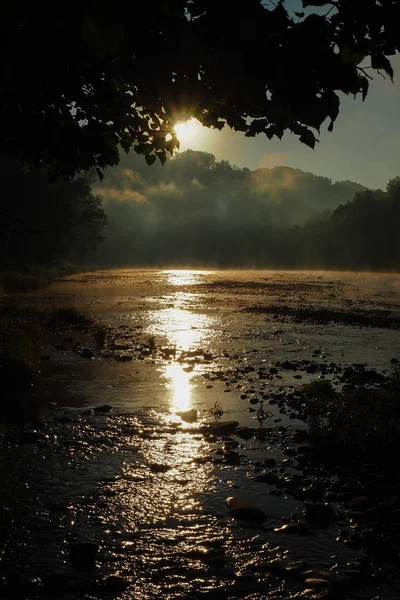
(83, 80)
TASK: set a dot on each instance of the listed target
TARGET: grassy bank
(22, 334)
(34, 277)
(362, 423)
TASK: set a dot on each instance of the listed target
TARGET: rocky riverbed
(148, 474)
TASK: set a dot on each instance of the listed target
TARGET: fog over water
(196, 211)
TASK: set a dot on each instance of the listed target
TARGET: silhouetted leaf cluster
(79, 82)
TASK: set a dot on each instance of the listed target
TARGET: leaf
(162, 156)
(100, 174)
(308, 138)
(330, 127)
(299, 14)
(380, 62)
(357, 58)
(159, 143)
(316, 3)
(150, 159)
(143, 149)
(364, 87)
(171, 145)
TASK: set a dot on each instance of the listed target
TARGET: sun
(186, 130)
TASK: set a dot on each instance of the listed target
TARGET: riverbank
(35, 277)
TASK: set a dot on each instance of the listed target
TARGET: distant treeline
(196, 211)
(42, 224)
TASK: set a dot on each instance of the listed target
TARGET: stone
(214, 557)
(334, 579)
(219, 427)
(31, 436)
(104, 408)
(317, 583)
(113, 584)
(83, 555)
(268, 476)
(87, 353)
(290, 366)
(320, 514)
(360, 503)
(158, 468)
(245, 433)
(245, 511)
(189, 416)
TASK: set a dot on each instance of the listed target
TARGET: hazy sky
(363, 147)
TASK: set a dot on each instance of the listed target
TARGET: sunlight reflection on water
(185, 276)
(179, 384)
(182, 328)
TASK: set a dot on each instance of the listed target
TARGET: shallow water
(98, 477)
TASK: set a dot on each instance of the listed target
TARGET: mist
(197, 211)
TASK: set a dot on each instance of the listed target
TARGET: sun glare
(184, 131)
(189, 131)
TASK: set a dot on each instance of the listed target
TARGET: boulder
(219, 427)
(83, 555)
(245, 511)
(104, 408)
(190, 416)
(320, 514)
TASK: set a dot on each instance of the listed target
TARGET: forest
(197, 211)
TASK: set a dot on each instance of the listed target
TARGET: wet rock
(214, 557)
(268, 476)
(334, 579)
(245, 511)
(104, 408)
(189, 416)
(360, 503)
(317, 584)
(289, 366)
(83, 555)
(113, 584)
(300, 528)
(354, 544)
(219, 427)
(87, 353)
(53, 583)
(124, 358)
(320, 514)
(158, 468)
(245, 576)
(245, 433)
(31, 436)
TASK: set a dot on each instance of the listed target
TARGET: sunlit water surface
(147, 486)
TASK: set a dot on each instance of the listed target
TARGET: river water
(148, 487)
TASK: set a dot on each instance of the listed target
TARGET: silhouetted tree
(84, 79)
(43, 223)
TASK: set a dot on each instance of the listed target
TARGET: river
(148, 488)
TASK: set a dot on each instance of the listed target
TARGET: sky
(363, 147)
